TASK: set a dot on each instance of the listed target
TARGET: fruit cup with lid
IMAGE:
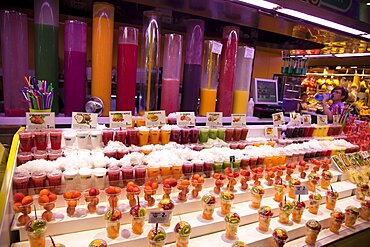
(362, 190)
(167, 205)
(150, 189)
(239, 244)
(23, 205)
(182, 231)
(314, 203)
(279, 192)
(331, 199)
(257, 193)
(208, 204)
(36, 231)
(313, 179)
(112, 220)
(157, 237)
(313, 228)
(298, 209)
(286, 209)
(227, 199)
(197, 182)
(326, 177)
(138, 214)
(351, 215)
(113, 194)
(280, 236)
(232, 221)
(365, 210)
(336, 220)
(47, 201)
(264, 217)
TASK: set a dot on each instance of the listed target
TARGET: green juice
(46, 57)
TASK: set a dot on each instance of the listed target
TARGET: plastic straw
(210, 68)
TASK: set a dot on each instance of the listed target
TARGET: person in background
(340, 94)
(303, 105)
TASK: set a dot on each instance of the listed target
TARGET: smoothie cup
(82, 139)
(212, 133)
(336, 220)
(165, 171)
(187, 169)
(55, 155)
(331, 199)
(143, 135)
(229, 133)
(154, 135)
(177, 171)
(23, 158)
(127, 174)
(198, 166)
(69, 138)
(280, 236)
(40, 155)
(153, 172)
(38, 179)
(221, 133)
(351, 216)
(55, 139)
(36, 232)
(25, 141)
(165, 134)
(85, 178)
(207, 169)
(107, 135)
(175, 134)
(120, 136)
(132, 137)
(313, 228)
(99, 175)
(244, 133)
(140, 174)
(185, 135)
(70, 178)
(114, 175)
(41, 140)
(194, 135)
(55, 180)
(365, 210)
(237, 134)
(217, 166)
(96, 139)
(203, 135)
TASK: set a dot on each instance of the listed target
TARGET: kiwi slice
(206, 199)
(159, 237)
(141, 212)
(233, 220)
(185, 230)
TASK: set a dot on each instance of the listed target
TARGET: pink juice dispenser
(227, 72)
(242, 82)
(126, 68)
(171, 73)
(14, 54)
(75, 35)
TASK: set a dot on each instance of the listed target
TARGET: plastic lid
(85, 172)
(70, 172)
(99, 171)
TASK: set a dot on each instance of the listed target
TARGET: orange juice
(143, 137)
(154, 136)
(275, 160)
(165, 172)
(153, 173)
(207, 101)
(140, 122)
(177, 171)
(165, 136)
(102, 49)
(268, 160)
(240, 104)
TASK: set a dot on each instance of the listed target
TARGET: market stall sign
(295, 118)
(278, 118)
(83, 120)
(214, 119)
(159, 216)
(119, 119)
(40, 120)
(185, 119)
(155, 118)
(306, 119)
(300, 190)
(238, 120)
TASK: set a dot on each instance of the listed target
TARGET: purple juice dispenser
(14, 53)
(74, 66)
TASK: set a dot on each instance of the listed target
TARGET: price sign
(269, 132)
(300, 190)
(214, 119)
(159, 216)
(306, 118)
(335, 119)
(185, 119)
(238, 120)
(232, 158)
(278, 118)
(155, 118)
(249, 52)
(119, 119)
(322, 120)
(216, 47)
(83, 120)
(40, 120)
(295, 118)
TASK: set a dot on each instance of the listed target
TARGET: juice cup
(203, 135)
(114, 175)
(143, 136)
(21, 182)
(351, 216)
(194, 135)
(212, 133)
(96, 139)
(120, 136)
(165, 135)
(23, 158)
(99, 175)
(331, 199)
(207, 169)
(177, 171)
(69, 138)
(365, 210)
(313, 228)
(237, 134)
(121, 152)
(38, 179)
(70, 178)
(40, 155)
(198, 166)
(153, 173)
(187, 169)
(165, 171)
(244, 133)
(107, 135)
(82, 137)
(55, 181)
(154, 136)
(185, 135)
(41, 142)
(55, 139)
(132, 137)
(55, 155)
(25, 141)
(36, 232)
(175, 134)
(221, 133)
(127, 174)
(229, 132)
(85, 178)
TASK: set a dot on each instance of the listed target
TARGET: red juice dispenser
(75, 35)
(171, 73)
(227, 73)
(242, 83)
(126, 68)
(193, 63)
(14, 55)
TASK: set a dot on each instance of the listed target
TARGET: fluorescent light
(320, 21)
(260, 3)
(366, 36)
(368, 4)
(353, 54)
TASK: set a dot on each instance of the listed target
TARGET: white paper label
(155, 118)
(119, 119)
(306, 119)
(216, 47)
(295, 118)
(40, 120)
(214, 119)
(83, 120)
(249, 52)
(269, 132)
(278, 118)
(185, 119)
(300, 189)
(159, 216)
(238, 120)
(322, 120)
(335, 119)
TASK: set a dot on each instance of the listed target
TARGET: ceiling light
(368, 4)
(353, 54)
(260, 3)
(320, 21)
(366, 36)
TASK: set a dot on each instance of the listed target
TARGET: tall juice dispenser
(209, 79)
(14, 55)
(126, 68)
(242, 83)
(75, 35)
(148, 95)
(171, 73)
(193, 63)
(102, 50)
(46, 44)
(230, 39)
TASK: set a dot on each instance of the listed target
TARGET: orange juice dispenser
(148, 97)
(244, 65)
(209, 80)
(102, 49)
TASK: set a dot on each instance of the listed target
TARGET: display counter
(270, 162)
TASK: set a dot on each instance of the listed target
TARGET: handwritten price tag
(40, 120)
(159, 216)
(300, 190)
(119, 119)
